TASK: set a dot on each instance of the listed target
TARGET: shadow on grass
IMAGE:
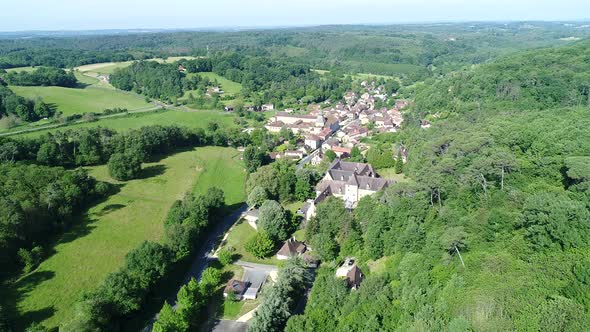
(152, 171)
(13, 294)
(109, 208)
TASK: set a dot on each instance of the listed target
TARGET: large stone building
(348, 181)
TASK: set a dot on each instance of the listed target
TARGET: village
(324, 127)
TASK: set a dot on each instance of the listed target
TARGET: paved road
(202, 256)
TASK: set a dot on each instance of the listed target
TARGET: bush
(225, 256)
(260, 245)
(124, 167)
(30, 258)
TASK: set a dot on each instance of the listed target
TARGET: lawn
(92, 97)
(85, 255)
(389, 173)
(229, 87)
(196, 119)
(237, 238)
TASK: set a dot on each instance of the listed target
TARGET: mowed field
(110, 67)
(111, 228)
(193, 119)
(92, 97)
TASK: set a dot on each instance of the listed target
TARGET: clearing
(85, 255)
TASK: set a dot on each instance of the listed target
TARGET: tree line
(123, 292)
(42, 76)
(28, 110)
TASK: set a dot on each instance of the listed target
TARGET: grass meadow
(193, 119)
(85, 255)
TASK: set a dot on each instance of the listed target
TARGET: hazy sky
(18, 15)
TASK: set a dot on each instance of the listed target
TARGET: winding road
(202, 255)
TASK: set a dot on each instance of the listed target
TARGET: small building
(267, 107)
(237, 287)
(341, 151)
(351, 273)
(291, 248)
(181, 69)
(313, 141)
(424, 124)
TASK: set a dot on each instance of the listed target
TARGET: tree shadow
(152, 171)
(81, 85)
(109, 208)
(13, 294)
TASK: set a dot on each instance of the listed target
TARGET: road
(202, 255)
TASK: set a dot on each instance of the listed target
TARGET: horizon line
(288, 26)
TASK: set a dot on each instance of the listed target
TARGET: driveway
(229, 326)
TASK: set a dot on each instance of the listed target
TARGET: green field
(85, 255)
(110, 67)
(94, 96)
(194, 119)
(18, 69)
(229, 87)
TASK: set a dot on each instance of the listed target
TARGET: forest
(505, 188)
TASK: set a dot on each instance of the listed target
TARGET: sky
(19, 15)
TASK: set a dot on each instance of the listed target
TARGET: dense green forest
(507, 189)
(375, 49)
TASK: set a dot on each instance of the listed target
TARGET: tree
(356, 155)
(273, 221)
(260, 245)
(399, 163)
(551, 220)
(330, 155)
(303, 190)
(256, 197)
(225, 256)
(254, 157)
(169, 320)
(124, 167)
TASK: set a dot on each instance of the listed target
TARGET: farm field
(110, 67)
(93, 97)
(86, 254)
(193, 119)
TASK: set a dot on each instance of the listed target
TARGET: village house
(237, 287)
(351, 273)
(313, 141)
(293, 248)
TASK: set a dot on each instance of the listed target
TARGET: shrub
(260, 245)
